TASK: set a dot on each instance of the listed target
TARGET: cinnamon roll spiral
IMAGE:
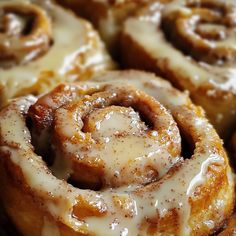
(192, 44)
(107, 157)
(42, 44)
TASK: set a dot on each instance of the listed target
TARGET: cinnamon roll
(122, 154)
(192, 44)
(42, 44)
(107, 16)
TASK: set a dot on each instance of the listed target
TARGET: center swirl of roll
(113, 137)
(206, 30)
(25, 33)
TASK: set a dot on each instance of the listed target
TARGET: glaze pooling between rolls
(192, 44)
(183, 194)
(73, 49)
(107, 16)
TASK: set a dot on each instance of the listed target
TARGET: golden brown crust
(184, 45)
(179, 196)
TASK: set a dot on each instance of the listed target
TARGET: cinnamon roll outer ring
(156, 54)
(42, 208)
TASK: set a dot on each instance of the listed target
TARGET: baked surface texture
(192, 44)
(230, 228)
(42, 44)
(123, 153)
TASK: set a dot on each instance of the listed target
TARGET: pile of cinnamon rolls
(117, 117)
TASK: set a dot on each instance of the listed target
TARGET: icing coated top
(128, 209)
